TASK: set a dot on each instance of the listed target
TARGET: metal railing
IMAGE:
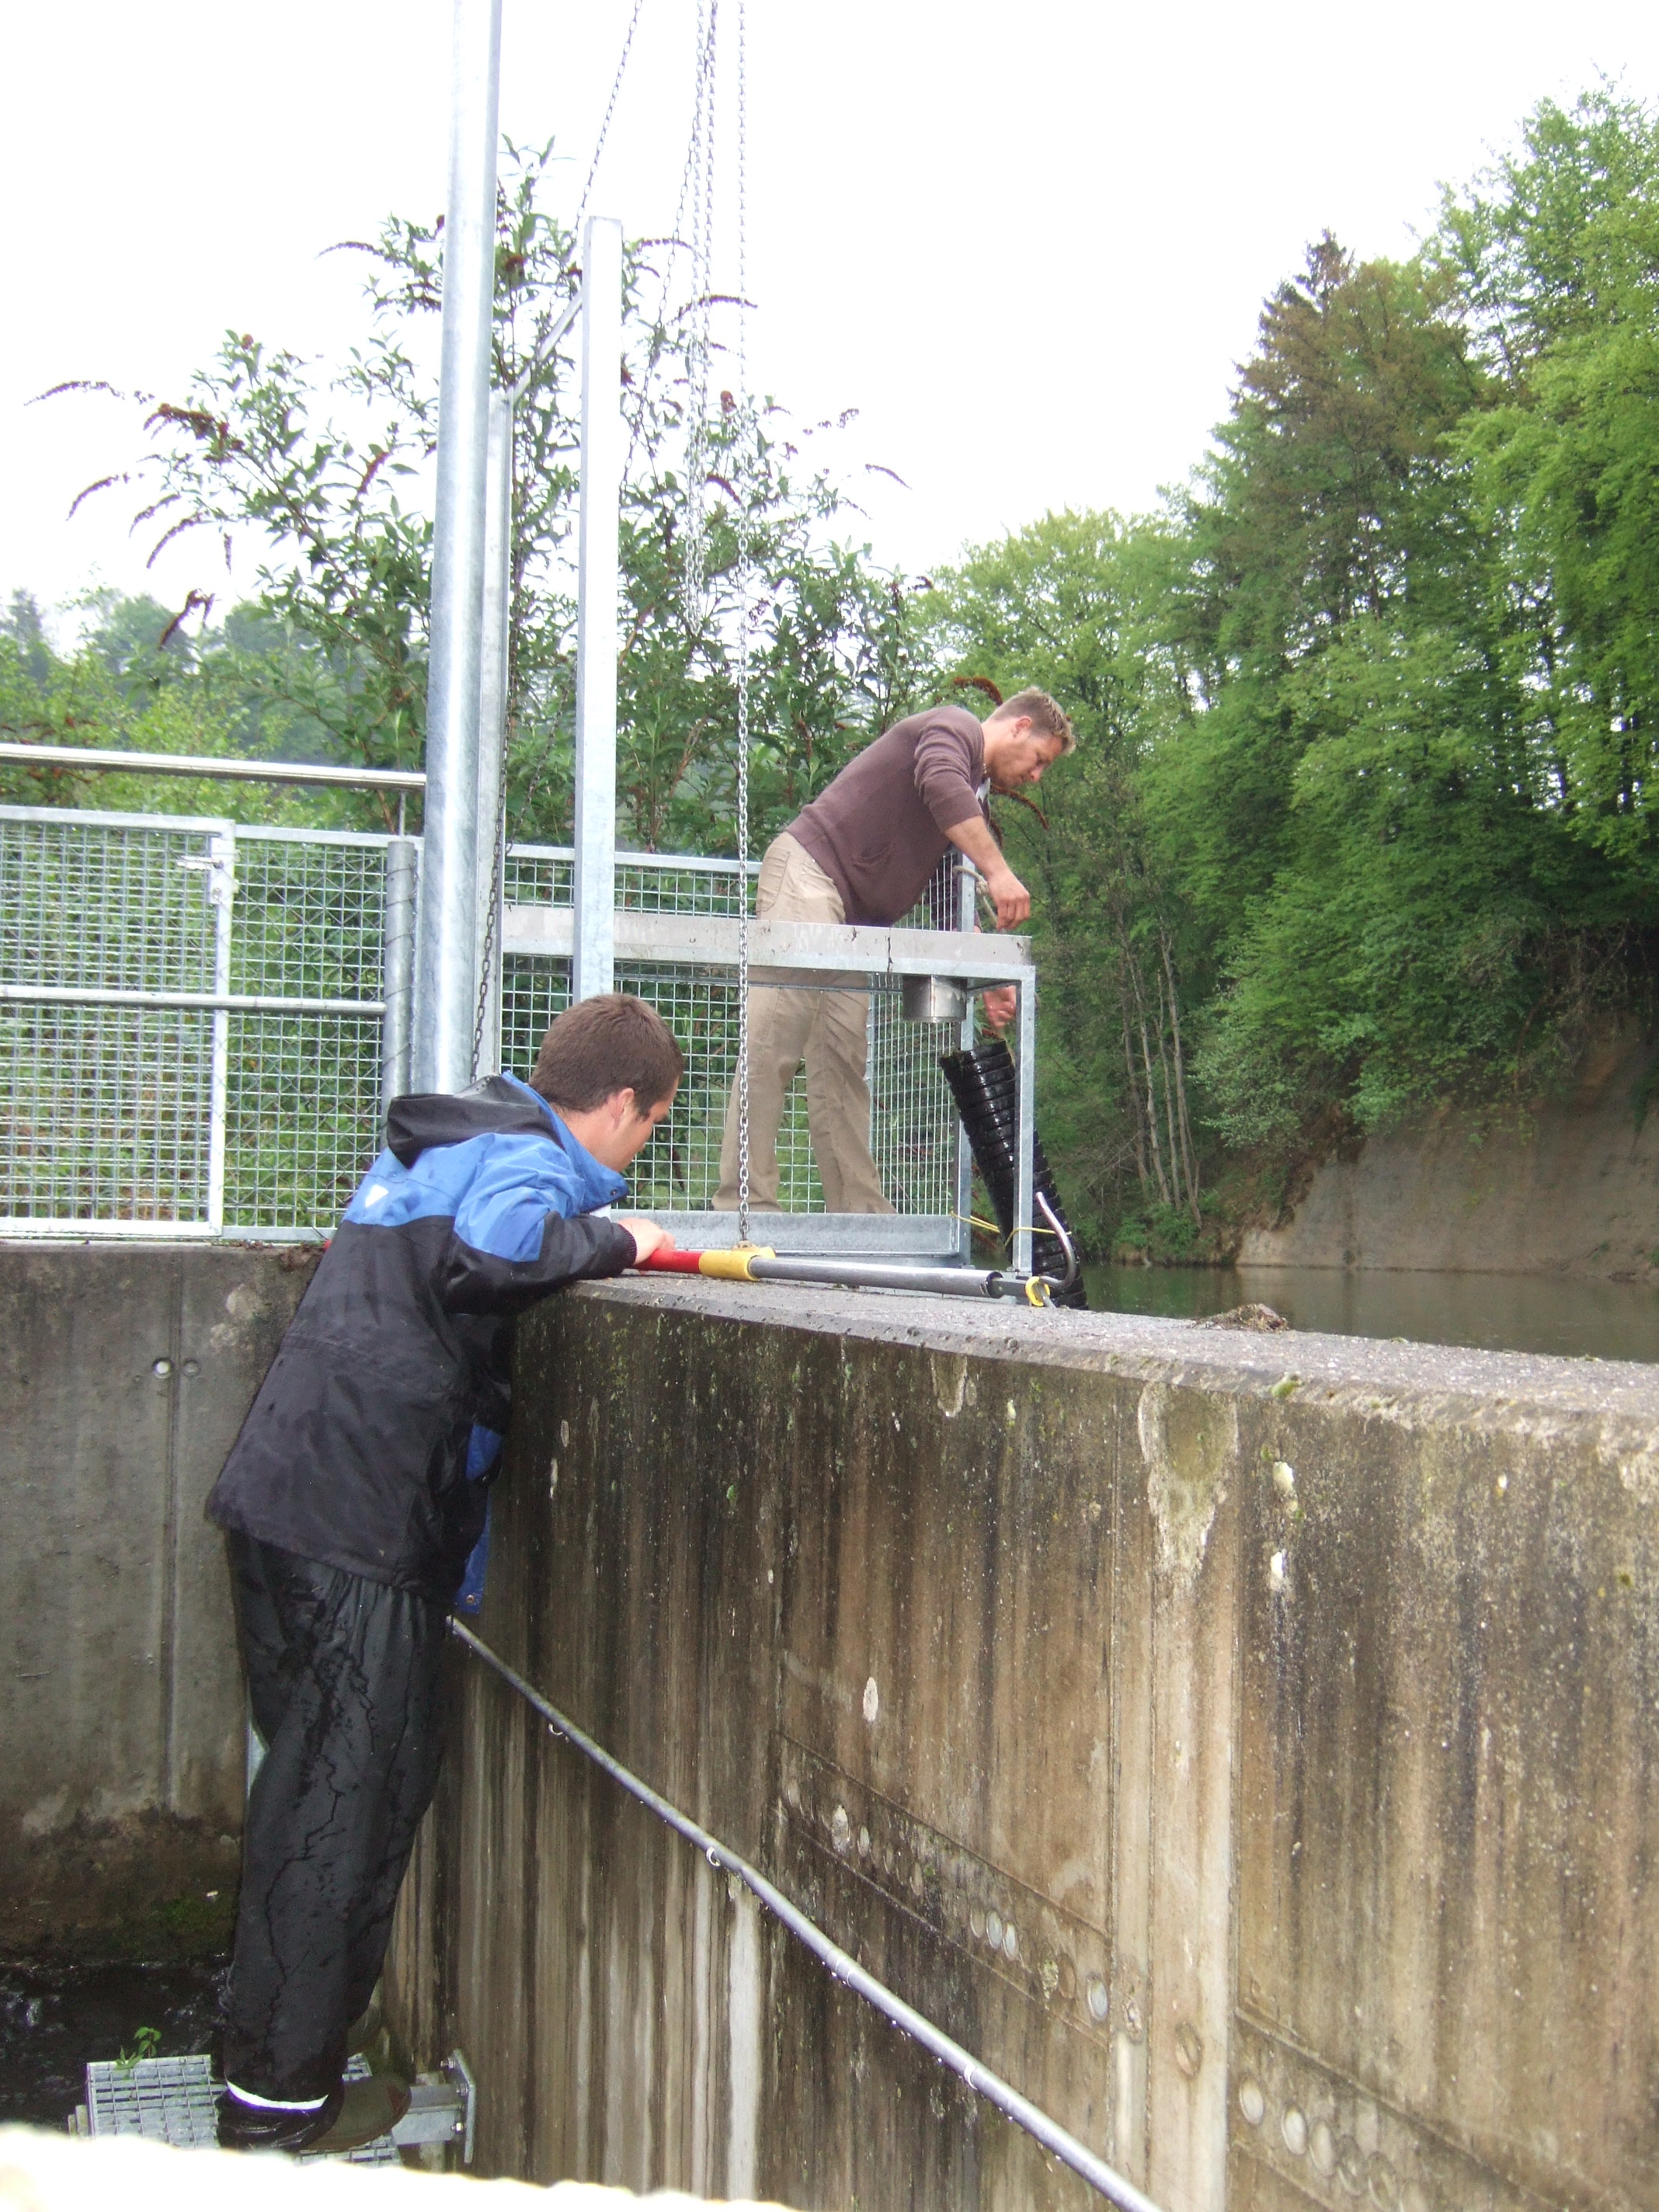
(1116, 2187)
(200, 1023)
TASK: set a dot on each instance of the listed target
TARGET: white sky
(1028, 242)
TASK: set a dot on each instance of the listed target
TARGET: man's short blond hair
(1048, 717)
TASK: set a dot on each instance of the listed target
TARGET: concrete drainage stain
(53, 2020)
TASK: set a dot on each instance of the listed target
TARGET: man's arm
(514, 1243)
(1013, 901)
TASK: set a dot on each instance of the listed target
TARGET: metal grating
(176, 2101)
(106, 1114)
(309, 912)
(112, 1114)
(105, 899)
(302, 1117)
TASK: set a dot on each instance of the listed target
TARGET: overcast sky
(1028, 242)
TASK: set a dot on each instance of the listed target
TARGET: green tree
(344, 576)
(1556, 254)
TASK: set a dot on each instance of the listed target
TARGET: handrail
(239, 771)
(1063, 2146)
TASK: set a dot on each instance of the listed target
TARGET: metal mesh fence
(309, 923)
(110, 1109)
(107, 1110)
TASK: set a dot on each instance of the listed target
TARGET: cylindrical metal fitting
(934, 999)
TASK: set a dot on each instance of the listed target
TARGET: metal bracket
(442, 2109)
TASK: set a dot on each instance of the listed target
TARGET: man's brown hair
(1048, 717)
(601, 1045)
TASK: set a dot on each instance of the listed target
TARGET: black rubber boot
(261, 2127)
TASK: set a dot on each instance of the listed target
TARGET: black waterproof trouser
(345, 1676)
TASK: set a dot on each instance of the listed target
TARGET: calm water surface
(1499, 1313)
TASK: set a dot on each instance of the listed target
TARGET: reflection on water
(1500, 1313)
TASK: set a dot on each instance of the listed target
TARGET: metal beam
(396, 967)
(446, 956)
(235, 771)
(805, 949)
(594, 892)
(494, 665)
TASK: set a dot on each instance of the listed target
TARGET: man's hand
(647, 1238)
(1013, 901)
(1000, 1006)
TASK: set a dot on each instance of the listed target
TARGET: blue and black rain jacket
(375, 1437)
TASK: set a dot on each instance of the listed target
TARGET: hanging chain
(699, 348)
(604, 127)
(742, 478)
(487, 964)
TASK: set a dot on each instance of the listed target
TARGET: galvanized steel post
(446, 959)
(967, 886)
(396, 967)
(594, 893)
(1024, 1184)
(492, 725)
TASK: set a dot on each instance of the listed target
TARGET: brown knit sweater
(878, 831)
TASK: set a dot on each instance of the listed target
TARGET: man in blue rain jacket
(355, 1498)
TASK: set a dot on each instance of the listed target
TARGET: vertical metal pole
(1024, 1204)
(445, 967)
(492, 723)
(967, 877)
(221, 890)
(594, 892)
(396, 967)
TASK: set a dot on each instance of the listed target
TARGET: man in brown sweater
(864, 851)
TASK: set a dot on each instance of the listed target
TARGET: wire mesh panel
(309, 914)
(105, 1113)
(913, 1119)
(302, 1116)
(303, 1093)
(112, 1110)
(536, 875)
(107, 1110)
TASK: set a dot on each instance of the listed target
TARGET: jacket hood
(500, 1106)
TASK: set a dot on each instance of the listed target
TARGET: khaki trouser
(828, 1030)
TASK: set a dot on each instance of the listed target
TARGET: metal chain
(604, 127)
(743, 479)
(497, 868)
(699, 350)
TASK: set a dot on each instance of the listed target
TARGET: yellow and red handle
(730, 1265)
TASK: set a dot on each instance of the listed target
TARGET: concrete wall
(124, 1375)
(1572, 1187)
(1291, 1699)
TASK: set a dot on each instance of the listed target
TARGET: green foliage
(1368, 715)
(333, 654)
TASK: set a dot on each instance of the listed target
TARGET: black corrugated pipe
(985, 1085)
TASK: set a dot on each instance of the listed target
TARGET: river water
(1499, 1313)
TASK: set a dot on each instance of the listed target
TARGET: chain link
(604, 127)
(743, 479)
(488, 961)
(699, 349)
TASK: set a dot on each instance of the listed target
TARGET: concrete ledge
(1246, 1743)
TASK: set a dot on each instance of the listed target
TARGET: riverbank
(1567, 1317)
(1569, 1187)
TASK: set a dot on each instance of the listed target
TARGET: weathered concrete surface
(122, 1719)
(1292, 1699)
(1572, 1187)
